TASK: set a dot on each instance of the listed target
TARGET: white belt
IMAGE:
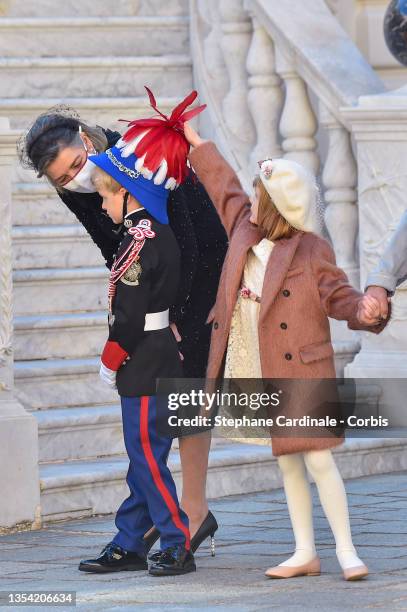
(156, 320)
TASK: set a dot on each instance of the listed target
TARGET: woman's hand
(369, 312)
(178, 338)
(192, 135)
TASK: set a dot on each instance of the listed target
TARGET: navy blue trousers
(153, 497)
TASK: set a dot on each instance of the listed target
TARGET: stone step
(82, 433)
(67, 434)
(86, 36)
(29, 77)
(73, 8)
(38, 204)
(58, 246)
(85, 488)
(59, 290)
(64, 336)
(61, 383)
(97, 111)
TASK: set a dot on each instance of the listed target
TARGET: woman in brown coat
(283, 331)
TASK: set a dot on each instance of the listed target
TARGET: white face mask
(82, 181)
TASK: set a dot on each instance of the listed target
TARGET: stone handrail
(325, 57)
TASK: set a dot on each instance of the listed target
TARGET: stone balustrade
(276, 79)
(19, 480)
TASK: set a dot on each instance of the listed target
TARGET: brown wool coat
(302, 288)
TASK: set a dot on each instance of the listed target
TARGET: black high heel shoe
(206, 530)
(150, 538)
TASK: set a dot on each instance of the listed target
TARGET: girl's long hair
(268, 216)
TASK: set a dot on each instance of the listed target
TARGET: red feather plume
(165, 139)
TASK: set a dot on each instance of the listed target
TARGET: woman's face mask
(82, 182)
(72, 169)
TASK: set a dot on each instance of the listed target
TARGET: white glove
(108, 376)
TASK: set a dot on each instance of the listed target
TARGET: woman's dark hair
(50, 133)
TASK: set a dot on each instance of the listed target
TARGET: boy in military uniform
(133, 179)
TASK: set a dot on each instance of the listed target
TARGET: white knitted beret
(293, 190)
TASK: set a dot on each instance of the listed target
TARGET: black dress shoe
(206, 530)
(113, 558)
(173, 561)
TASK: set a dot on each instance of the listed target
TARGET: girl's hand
(369, 312)
(192, 135)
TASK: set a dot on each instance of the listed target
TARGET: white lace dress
(243, 355)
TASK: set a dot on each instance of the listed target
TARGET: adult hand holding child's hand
(380, 294)
(369, 311)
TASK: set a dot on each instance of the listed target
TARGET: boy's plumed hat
(151, 157)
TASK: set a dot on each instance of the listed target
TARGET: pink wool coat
(302, 288)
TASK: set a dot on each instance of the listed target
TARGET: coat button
(283, 325)
(286, 293)
(288, 356)
(215, 325)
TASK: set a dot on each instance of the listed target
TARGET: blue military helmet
(122, 169)
(151, 157)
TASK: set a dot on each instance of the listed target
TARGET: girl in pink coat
(279, 285)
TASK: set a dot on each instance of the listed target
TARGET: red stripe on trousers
(154, 469)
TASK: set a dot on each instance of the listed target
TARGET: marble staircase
(95, 57)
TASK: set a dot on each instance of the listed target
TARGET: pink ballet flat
(312, 568)
(355, 573)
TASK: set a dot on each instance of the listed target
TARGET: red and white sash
(140, 232)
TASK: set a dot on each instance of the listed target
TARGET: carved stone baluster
(340, 180)
(236, 37)
(214, 62)
(19, 481)
(265, 95)
(298, 123)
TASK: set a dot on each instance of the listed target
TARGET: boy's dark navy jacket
(148, 285)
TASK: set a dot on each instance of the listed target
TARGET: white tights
(332, 494)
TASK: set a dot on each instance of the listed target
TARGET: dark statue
(395, 29)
